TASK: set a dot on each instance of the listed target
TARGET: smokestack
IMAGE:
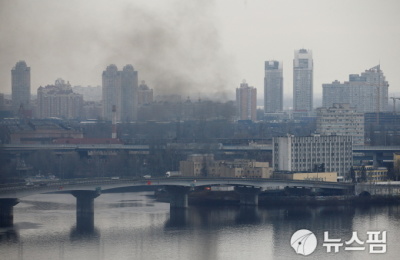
(114, 122)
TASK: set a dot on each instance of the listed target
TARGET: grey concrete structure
(120, 90)
(20, 86)
(6, 211)
(178, 196)
(59, 100)
(85, 208)
(367, 92)
(246, 102)
(303, 80)
(341, 119)
(273, 87)
(298, 154)
(248, 195)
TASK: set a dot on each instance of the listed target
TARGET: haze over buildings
(59, 100)
(120, 91)
(21, 86)
(246, 102)
(198, 47)
(367, 92)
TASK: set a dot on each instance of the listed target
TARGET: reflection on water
(134, 226)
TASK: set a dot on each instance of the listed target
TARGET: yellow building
(205, 165)
(372, 173)
(308, 176)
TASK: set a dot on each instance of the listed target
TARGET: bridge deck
(21, 190)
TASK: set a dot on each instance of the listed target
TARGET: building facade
(307, 176)
(145, 94)
(59, 100)
(246, 102)
(307, 154)
(341, 119)
(303, 80)
(202, 165)
(367, 92)
(273, 87)
(20, 86)
(119, 90)
(372, 174)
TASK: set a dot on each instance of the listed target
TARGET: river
(132, 225)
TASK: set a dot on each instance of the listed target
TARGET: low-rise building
(372, 173)
(308, 176)
(38, 131)
(205, 165)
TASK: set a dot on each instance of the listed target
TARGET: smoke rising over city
(198, 47)
(176, 49)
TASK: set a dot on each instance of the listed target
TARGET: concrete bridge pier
(7, 211)
(178, 196)
(85, 209)
(248, 195)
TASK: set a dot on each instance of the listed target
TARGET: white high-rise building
(303, 81)
(59, 100)
(367, 92)
(304, 153)
(20, 86)
(341, 119)
(273, 87)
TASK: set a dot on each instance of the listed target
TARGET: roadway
(113, 147)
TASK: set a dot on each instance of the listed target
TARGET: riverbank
(266, 199)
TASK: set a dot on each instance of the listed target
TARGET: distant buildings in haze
(59, 100)
(120, 90)
(20, 86)
(273, 87)
(145, 94)
(303, 69)
(367, 92)
(246, 102)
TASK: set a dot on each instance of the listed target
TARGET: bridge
(86, 190)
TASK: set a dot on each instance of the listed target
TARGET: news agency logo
(304, 242)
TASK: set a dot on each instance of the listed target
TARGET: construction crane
(394, 104)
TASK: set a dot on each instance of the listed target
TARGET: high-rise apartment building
(128, 95)
(367, 92)
(59, 100)
(20, 86)
(341, 119)
(111, 80)
(145, 94)
(273, 87)
(303, 80)
(304, 153)
(246, 102)
(120, 90)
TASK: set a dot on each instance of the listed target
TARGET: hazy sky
(202, 48)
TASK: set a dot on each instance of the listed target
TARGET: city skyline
(165, 41)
